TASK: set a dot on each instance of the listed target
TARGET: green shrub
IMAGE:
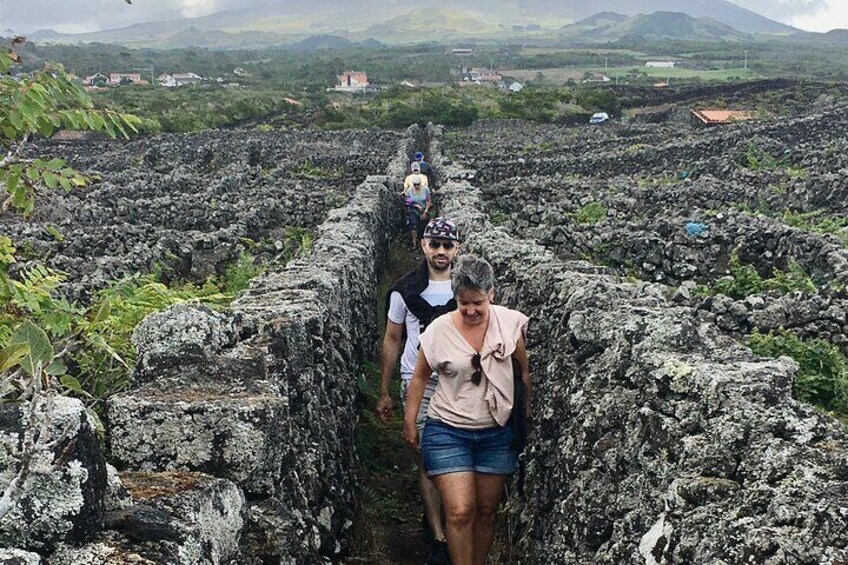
(759, 159)
(744, 280)
(823, 374)
(816, 221)
(591, 213)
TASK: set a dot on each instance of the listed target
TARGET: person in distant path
(467, 444)
(418, 202)
(413, 302)
(424, 167)
(415, 172)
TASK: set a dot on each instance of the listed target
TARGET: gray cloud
(91, 15)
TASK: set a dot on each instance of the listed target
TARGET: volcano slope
(648, 256)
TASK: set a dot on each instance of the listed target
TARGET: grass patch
(310, 170)
(498, 217)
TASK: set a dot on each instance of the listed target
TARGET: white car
(599, 118)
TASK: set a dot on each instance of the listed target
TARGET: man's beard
(437, 267)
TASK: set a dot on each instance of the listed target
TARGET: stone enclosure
(659, 437)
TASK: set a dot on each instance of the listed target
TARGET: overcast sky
(71, 16)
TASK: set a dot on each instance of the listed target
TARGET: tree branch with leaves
(42, 103)
(32, 373)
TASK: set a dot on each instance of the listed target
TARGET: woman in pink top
(467, 444)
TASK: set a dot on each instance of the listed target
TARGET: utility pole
(152, 77)
(606, 63)
(746, 59)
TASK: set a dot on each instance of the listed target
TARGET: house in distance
(709, 117)
(352, 81)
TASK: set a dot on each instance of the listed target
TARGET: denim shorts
(447, 449)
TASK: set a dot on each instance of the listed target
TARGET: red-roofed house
(352, 81)
(708, 117)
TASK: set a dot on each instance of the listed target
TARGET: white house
(126, 78)
(516, 87)
(660, 64)
(178, 79)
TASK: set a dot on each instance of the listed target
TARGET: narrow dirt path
(389, 511)
(387, 526)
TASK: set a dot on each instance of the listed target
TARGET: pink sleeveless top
(457, 400)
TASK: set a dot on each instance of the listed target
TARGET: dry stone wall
(235, 443)
(188, 205)
(631, 150)
(657, 438)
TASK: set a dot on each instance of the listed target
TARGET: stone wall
(657, 439)
(702, 156)
(188, 205)
(236, 440)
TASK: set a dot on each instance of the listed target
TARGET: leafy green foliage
(744, 280)
(97, 338)
(591, 213)
(823, 373)
(818, 221)
(195, 108)
(758, 159)
(400, 107)
(41, 103)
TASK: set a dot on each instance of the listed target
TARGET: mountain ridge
(395, 20)
(609, 27)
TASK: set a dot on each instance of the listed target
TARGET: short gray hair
(472, 273)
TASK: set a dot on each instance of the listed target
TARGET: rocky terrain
(234, 443)
(659, 436)
(189, 205)
(674, 205)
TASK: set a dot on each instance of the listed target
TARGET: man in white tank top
(413, 302)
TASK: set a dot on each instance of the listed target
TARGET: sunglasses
(448, 245)
(478, 369)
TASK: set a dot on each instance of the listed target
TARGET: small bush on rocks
(744, 280)
(817, 221)
(823, 373)
(591, 213)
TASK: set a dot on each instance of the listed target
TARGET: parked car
(599, 118)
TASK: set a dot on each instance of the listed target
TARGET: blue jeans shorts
(447, 449)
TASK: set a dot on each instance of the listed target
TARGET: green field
(562, 75)
(530, 51)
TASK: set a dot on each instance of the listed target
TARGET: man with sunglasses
(414, 301)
